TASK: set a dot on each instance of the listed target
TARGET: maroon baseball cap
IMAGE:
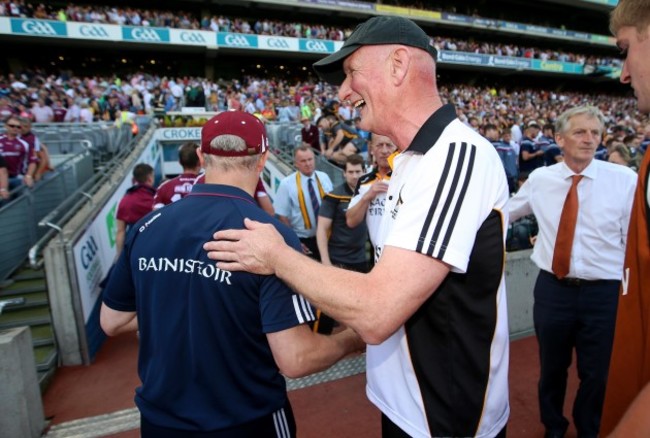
(238, 123)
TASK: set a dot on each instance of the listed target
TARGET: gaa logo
(277, 43)
(237, 40)
(145, 34)
(192, 37)
(316, 46)
(93, 31)
(38, 28)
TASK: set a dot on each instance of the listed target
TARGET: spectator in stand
(73, 114)
(135, 204)
(582, 206)
(299, 197)
(507, 155)
(310, 135)
(552, 152)
(339, 140)
(4, 180)
(178, 187)
(20, 159)
(44, 165)
(6, 109)
(643, 147)
(58, 111)
(85, 113)
(531, 155)
(42, 113)
(620, 154)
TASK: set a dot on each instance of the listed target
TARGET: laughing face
(364, 86)
(636, 69)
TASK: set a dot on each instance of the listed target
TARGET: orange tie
(566, 230)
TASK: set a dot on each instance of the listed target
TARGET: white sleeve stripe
(309, 312)
(456, 189)
(298, 310)
(281, 426)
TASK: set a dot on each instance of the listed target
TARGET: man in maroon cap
(213, 342)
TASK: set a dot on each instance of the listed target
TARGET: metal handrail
(77, 200)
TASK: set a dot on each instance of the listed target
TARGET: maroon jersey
(59, 113)
(135, 204)
(174, 189)
(17, 154)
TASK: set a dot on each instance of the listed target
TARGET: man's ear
(199, 153)
(400, 61)
(262, 161)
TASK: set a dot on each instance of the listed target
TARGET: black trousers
(310, 243)
(568, 315)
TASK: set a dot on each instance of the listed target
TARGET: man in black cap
(434, 306)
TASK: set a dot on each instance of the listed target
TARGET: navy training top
(204, 360)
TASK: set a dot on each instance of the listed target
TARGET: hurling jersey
(445, 371)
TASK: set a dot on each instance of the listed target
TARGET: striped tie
(315, 200)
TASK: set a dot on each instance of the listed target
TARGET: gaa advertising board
(94, 251)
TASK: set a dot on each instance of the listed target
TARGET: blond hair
(635, 13)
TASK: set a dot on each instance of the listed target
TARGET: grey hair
(564, 120)
(229, 142)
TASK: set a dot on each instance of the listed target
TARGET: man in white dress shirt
(575, 307)
(299, 197)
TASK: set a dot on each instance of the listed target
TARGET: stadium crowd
(220, 23)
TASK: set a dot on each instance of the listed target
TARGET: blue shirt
(205, 363)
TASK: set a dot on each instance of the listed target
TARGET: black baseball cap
(375, 31)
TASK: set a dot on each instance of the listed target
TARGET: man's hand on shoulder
(254, 249)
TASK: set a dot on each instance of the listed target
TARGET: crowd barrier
(19, 218)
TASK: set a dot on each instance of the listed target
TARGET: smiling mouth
(359, 103)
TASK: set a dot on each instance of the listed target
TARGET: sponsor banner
(433, 15)
(41, 28)
(411, 12)
(316, 46)
(94, 31)
(509, 62)
(603, 39)
(5, 25)
(535, 29)
(175, 134)
(611, 3)
(236, 40)
(455, 18)
(342, 4)
(192, 37)
(558, 66)
(145, 34)
(284, 44)
(448, 56)
(513, 26)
